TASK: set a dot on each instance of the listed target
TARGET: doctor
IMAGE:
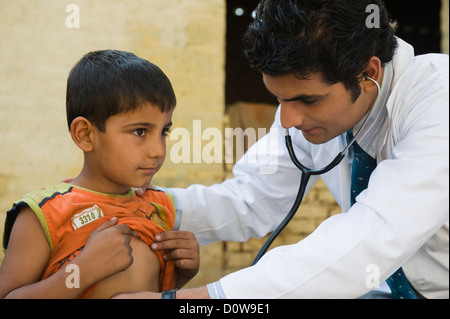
(317, 58)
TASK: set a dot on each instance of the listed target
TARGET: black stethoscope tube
(306, 174)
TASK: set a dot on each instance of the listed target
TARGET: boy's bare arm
(28, 253)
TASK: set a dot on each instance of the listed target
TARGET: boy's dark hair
(108, 82)
(319, 36)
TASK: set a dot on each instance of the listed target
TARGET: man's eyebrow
(301, 97)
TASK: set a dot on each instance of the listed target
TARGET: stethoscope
(307, 173)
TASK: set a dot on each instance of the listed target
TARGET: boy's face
(320, 110)
(131, 149)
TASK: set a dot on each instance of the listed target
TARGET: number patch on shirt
(86, 216)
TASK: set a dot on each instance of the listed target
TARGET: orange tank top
(68, 214)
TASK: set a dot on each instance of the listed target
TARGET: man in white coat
(319, 59)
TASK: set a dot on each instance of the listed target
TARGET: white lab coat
(402, 219)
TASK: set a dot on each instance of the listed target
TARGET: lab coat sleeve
(251, 204)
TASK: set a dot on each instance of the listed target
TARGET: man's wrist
(169, 294)
(215, 290)
(191, 293)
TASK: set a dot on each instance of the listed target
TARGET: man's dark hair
(319, 36)
(108, 82)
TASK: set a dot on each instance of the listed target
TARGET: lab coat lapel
(381, 147)
(338, 179)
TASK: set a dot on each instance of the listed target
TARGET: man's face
(321, 111)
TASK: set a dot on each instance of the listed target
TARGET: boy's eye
(166, 132)
(139, 132)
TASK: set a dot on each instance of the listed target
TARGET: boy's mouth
(149, 170)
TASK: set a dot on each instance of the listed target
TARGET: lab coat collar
(403, 58)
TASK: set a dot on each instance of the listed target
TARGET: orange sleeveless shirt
(68, 214)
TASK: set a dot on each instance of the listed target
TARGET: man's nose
(291, 116)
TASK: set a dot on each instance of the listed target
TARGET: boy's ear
(81, 131)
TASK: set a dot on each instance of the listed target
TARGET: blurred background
(197, 43)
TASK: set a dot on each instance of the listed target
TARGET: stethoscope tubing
(305, 176)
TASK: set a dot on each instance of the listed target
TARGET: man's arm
(390, 222)
(191, 293)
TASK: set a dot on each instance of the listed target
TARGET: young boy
(119, 110)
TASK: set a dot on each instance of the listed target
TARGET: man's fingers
(140, 191)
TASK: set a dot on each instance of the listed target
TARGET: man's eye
(309, 102)
(139, 132)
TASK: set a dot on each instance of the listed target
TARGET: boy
(119, 110)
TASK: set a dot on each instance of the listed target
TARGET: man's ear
(81, 131)
(373, 70)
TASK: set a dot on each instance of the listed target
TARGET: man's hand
(140, 191)
(108, 250)
(137, 295)
(183, 248)
(192, 293)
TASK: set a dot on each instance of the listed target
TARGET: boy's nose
(157, 148)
